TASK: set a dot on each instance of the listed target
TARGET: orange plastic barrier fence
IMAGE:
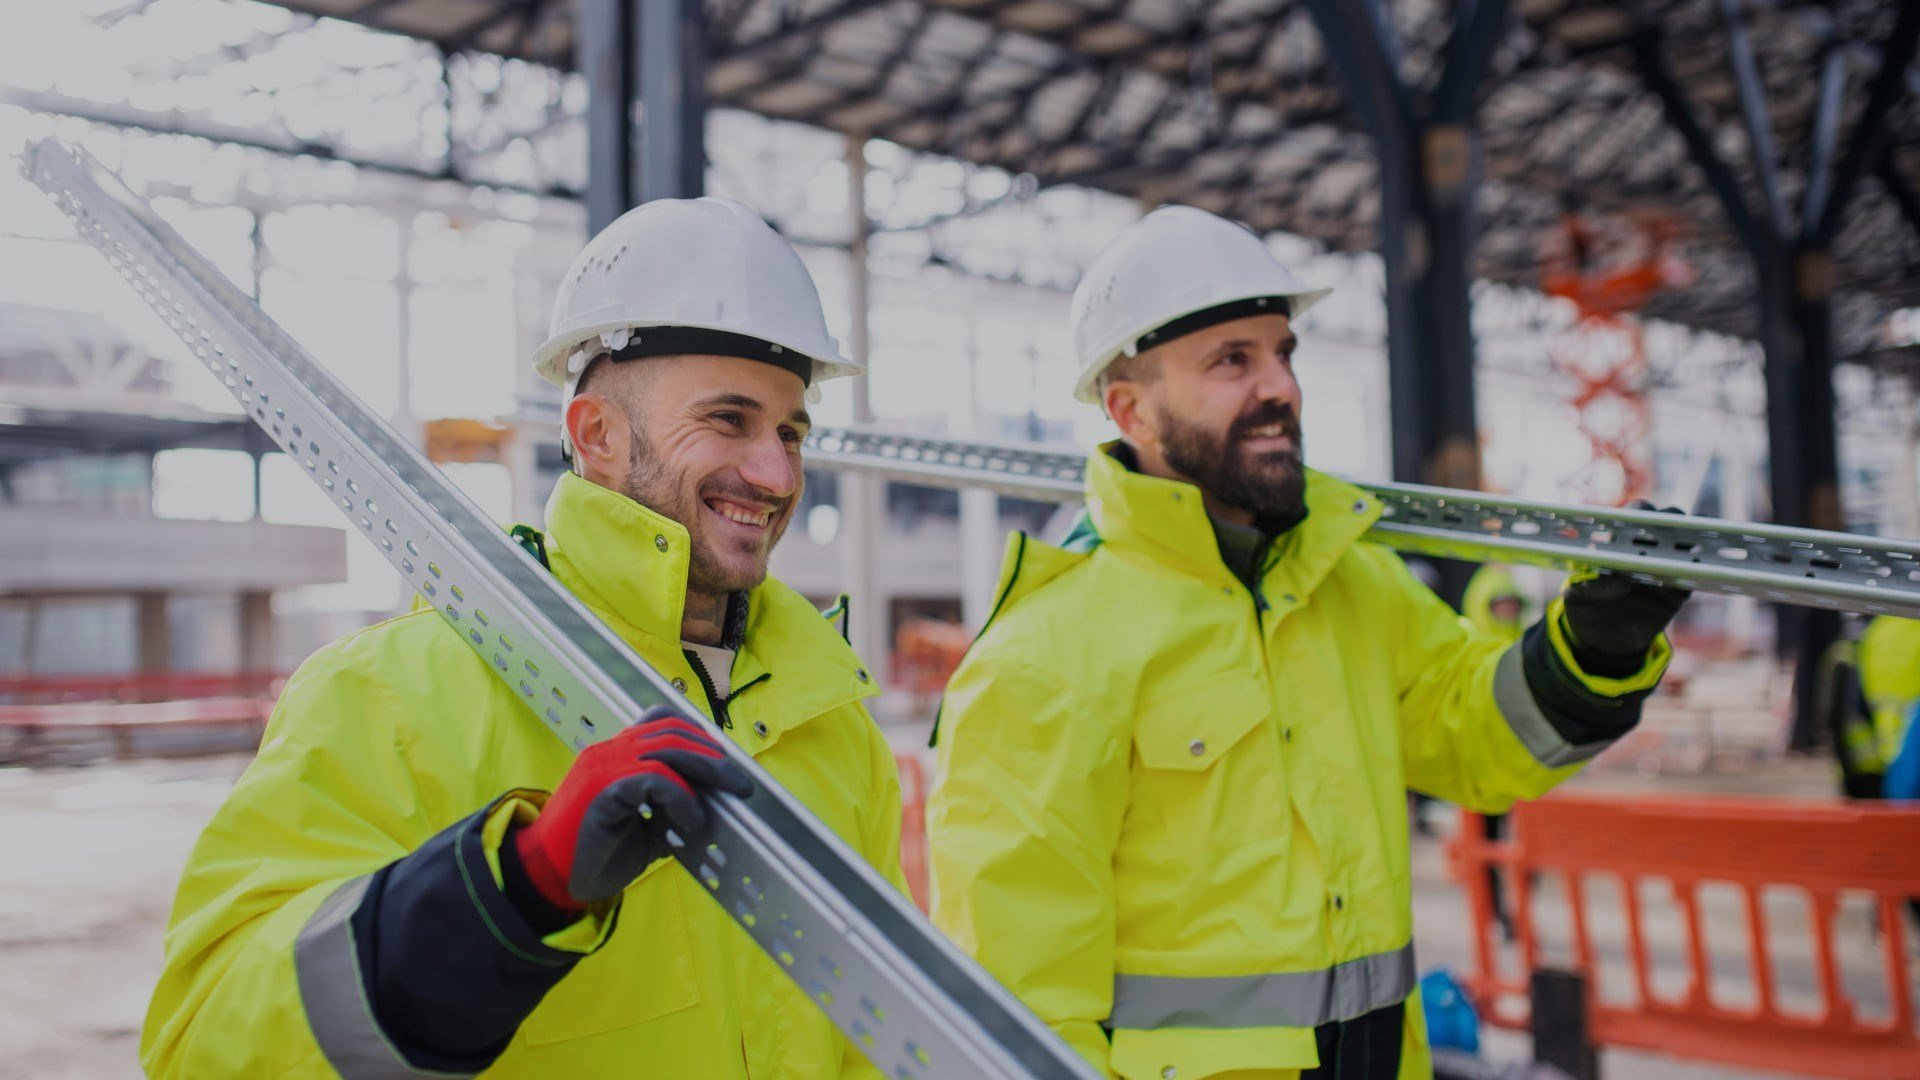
(1757, 847)
(913, 825)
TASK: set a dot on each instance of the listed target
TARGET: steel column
(1793, 264)
(862, 498)
(1870, 134)
(154, 636)
(672, 56)
(1898, 190)
(646, 70)
(1803, 441)
(257, 643)
(602, 30)
(1753, 110)
(1428, 157)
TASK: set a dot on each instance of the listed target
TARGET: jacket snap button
(1338, 904)
(861, 674)
(760, 728)
(1286, 734)
(1196, 747)
(1289, 598)
(680, 685)
(660, 542)
(1169, 1073)
(1360, 507)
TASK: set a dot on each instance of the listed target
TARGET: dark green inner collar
(1244, 548)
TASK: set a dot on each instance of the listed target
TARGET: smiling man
(1171, 804)
(415, 878)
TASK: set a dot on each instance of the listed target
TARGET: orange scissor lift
(1610, 268)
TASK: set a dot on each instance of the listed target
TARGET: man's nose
(772, 467)
(1276, 383)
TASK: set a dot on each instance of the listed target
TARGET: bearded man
(391, 891)
(1171, 804)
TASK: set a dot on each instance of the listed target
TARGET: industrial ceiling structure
(1237, 106)
(1771, 146)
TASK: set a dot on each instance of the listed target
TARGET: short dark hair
(1139, 368)
(592, 372)
(598, 378)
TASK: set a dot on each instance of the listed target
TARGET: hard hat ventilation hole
(599, 264)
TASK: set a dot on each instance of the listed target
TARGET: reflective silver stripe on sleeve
(1296, 999)
(341, 1018)
(1523, 715)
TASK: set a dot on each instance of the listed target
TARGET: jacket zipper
(706, 683)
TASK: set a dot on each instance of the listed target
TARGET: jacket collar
(1166, 521)
(624, 561)
(629, 564)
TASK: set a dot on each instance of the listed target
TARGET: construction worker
(1496, 607)
(390, 891)
(1889, 658)
(1842, 710)
(1495, 604)
(1170, 809)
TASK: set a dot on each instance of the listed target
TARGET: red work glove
(609, 820)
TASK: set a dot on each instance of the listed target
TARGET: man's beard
(1271, 486)
(653, 485)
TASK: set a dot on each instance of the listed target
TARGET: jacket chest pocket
(1206, 772)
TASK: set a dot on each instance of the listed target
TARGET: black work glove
(1612, 620)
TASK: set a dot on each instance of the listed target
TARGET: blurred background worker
(390, 890)
(1867, 689)
(1495, 604)
(1889, 656)
(1170, 813)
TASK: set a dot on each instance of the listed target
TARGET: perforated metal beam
(1820, 569)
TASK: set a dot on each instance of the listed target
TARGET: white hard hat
(706, 276)
(1174, 263)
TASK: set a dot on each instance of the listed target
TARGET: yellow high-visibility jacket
(1171, 815)
(397, 732)
(1490, 583)
(1889, 658)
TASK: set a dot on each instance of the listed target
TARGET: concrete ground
(90, 855)
(89, 858)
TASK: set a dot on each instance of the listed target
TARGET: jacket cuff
(1652, 669)
(516, 808)
(1559, 712)
(425, 966)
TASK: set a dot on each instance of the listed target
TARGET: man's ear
(1126, 406)
(601, 436)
